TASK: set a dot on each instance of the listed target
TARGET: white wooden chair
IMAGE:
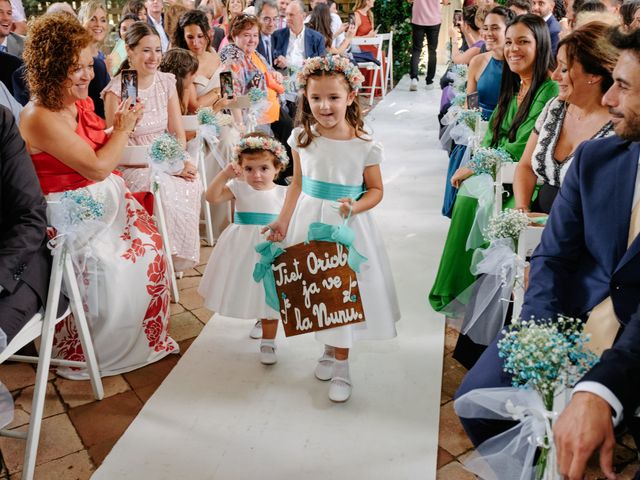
(505, 175)
(136, 156)
(43, 325)
(190, 123)
(388, 37)
(377, 42)
(527, 242)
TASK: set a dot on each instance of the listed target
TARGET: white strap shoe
(256, 331)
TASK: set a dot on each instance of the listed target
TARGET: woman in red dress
(365, 27)
(115, 247)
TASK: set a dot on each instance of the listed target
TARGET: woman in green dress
(525, 89)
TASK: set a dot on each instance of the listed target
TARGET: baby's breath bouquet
(256, 95)
(469, 118)
(487, 160)
(459, 75)
(79, 206)
(458, 100)
(206, 116)
(545, 356)
(167, 154)
(507, 224)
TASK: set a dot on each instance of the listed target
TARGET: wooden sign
(317, 289)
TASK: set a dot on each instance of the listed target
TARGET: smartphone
(129, 86)
(226, 84)
(377, 29)
(352, 19)
(472, 101)
(457, 18)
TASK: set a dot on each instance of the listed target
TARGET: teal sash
(330, 191)
(253, 218)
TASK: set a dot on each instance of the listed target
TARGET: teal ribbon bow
(262, 272)
(339, 234)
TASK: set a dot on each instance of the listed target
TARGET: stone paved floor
(454, 445)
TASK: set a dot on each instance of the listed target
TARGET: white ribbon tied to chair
(510, 455)
(207, 136)
(480, 187)
(497, 268)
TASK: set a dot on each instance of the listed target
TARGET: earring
(590, 82)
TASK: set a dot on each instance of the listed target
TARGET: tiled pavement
(454, 445)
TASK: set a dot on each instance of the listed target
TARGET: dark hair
(180, 62)
(242, 22)
(628, 10)
(305, 118)
(192, 17)
(588, 45)
(625, 41)
(320, 21)
(521, 4)
(127, 16)
(135, 34)
(510, 83)
(276, 161)
(469, 16)
(133, 6)
(592, 6)
(504, 12)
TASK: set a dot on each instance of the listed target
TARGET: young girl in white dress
(335, 161)
(227, 285)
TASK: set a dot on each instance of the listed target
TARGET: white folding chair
(527, 242)
(377, 68)
(190, 123)
(388, 37)
(136, 156)
(43, 325)
(505, 175)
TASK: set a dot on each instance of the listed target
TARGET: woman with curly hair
(115, 247)
(180, 192)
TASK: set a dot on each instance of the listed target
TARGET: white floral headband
(330, 63)
(262, 143)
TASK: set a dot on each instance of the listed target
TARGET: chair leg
(373, 86)
(208, 222)
(162, 226)
(83, 329)
(42, 372)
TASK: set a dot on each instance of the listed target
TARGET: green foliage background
(395, 16)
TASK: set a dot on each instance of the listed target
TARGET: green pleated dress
(454, 274)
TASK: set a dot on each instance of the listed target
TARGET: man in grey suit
(9, 42)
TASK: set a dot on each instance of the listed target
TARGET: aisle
(221, 415)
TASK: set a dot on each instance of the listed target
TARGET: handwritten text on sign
(316, 288)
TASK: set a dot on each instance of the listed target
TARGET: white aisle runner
(221, 415)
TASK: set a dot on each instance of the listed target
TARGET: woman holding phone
(365, 27)
(180, 193)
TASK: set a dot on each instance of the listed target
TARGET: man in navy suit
(267, 12)
(544, 9)
(590, 251)
(295, 43)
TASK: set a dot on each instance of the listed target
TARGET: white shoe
(414, 85)
(256, 331)
(430, 86)
(339, 390)
(324, 368)
(268, 354)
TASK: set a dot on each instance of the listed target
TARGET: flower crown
(330, 63)
(262, 143)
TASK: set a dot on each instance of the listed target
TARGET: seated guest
(192, 34)
(544, 9)
(232, 10)
(320, 21)
(10, 42)
(216, 33)
(8, 65)
(282, 12)
(183, 65)
(587, 267)
(365, 27)
(25, 260)
(119, 259)
(180, 192)
(484, 77)
(136, 8)
(337, 28)
(525, 90)
(630, 15)
(119, 52)
(471, 34)
(155, 18)
(171, 18)
(267, 13)
(295, 43)
(93, 16)
(19, 17)
(585, 65)
(519, 7)
(250, 69)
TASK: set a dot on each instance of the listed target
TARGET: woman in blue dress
(485, 73)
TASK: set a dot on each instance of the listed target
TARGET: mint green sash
(253, 218)
(330, 191)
